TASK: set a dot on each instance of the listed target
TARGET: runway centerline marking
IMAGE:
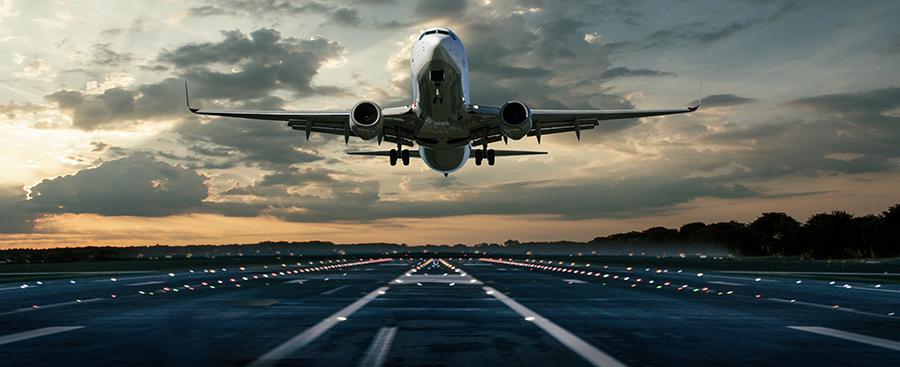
(587, 351)
(25, 335)
(865, 339)
(309, 335)
(144, 283)
(335, 290)
(377, 353)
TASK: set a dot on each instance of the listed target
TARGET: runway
(447, 312)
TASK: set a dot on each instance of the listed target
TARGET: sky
(800, 114)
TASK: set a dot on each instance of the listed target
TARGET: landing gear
(403, 155)
(480, 156)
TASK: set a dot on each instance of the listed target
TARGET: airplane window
(444, 32)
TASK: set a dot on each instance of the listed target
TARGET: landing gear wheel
(490, 157)
(405, 156)
(393, 157)
(479, 156)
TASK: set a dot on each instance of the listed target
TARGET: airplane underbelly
(445, 160)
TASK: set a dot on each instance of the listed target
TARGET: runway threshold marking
(590, 353)
(309, 335)
(25, 335)
(377, 353)
(865, 339)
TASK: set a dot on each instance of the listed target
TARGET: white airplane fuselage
(440, 78)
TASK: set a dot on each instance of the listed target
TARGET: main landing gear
(403, 155)
(480, 155)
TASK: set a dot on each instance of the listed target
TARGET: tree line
(835, 235)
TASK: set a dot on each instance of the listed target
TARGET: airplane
(441, 120)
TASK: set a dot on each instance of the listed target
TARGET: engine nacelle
(515, 120)
(366, 120)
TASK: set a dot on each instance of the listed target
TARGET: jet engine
(515, 120)
(366, 120)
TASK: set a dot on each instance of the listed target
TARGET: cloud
(38, 69)
(723, 100)
(267, 144)
(255, 8)
(15, 216)
(625, 72)
(867, 102)
(260, 62)
(435, 9)
(101, 54)
(134, 186)
(118, 107)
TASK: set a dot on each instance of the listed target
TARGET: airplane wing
(486, 121)
(398, 121)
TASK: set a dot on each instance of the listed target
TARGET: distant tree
(890, 245)
(732, 235)
(828, 236)
(660, 235)
(775, 234)
(684, 233)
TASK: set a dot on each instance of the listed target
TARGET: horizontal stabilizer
(509, 153)
(385, 153)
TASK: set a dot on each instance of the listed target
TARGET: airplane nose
(437, 49)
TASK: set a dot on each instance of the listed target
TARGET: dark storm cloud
(137, 185)
(15, 216)
(262, 61)
(121, 108)
(625, 72)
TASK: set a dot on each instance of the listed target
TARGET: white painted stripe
(727, 283)
(144, 283)
(296, 281)
(12, 338)
(75, 302)
(590, 353)
(19, 287)
(303, 339)
(335, 290)
(870, 340)
(874, 289)
(574, 281)
(377, 353)
(835, 307)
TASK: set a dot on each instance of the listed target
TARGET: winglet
(699, 99)
(188, 99)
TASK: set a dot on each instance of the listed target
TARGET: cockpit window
(448, 33)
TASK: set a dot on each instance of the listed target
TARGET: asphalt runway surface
(447, 313)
